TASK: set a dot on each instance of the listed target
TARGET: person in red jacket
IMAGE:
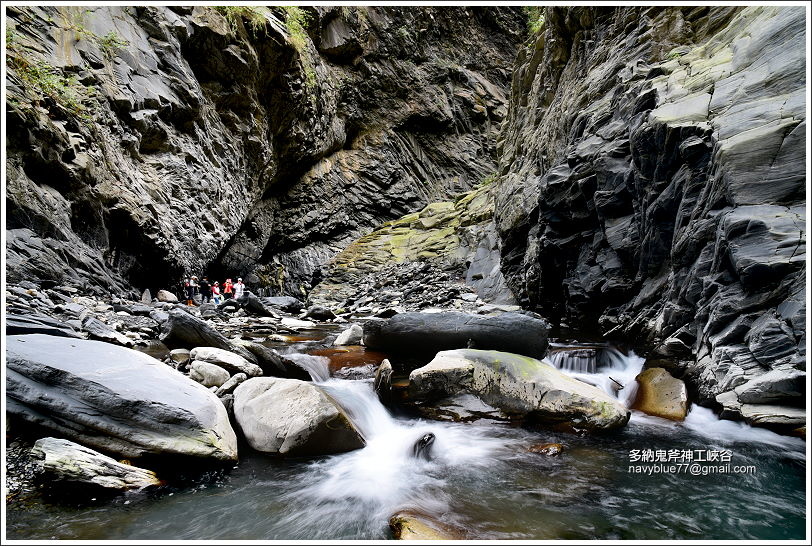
(228, 289)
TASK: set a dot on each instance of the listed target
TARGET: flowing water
(480, 479)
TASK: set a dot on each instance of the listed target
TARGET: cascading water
(479, 476)
(614, 372)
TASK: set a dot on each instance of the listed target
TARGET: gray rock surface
(207, 374)
(182, 330)
(113, 399)
(69, 463)
(351, 336)
(427, 333)
(38, 324)
(518, 385)
(292, 417)
(652, 181)
(226, 359)
(165, 295)
(98, 330)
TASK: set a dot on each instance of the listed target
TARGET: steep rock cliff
(653, 188)
(145, 142)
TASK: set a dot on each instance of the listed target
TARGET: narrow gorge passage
(477, 272)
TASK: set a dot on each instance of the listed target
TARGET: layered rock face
(652, 186)
(148, 141)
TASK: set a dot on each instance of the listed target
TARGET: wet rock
(292, 417)
(207, 374)
(410, 525)
(351, 336)
(551, 449)
(428, 333)
(146, 296)
(225, 359)
(383, 382)
(38, 324)
(68, 463)
(773, 416)
(660, 394)
(272, 363)
(166, 296)
(519, 385)
(113, 399)
(297, 324)
(462, 408)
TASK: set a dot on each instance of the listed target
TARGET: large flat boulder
(38, 324)
(292, 417)
(113, 399)
(68, 463)
(519, 385)
(423, 334)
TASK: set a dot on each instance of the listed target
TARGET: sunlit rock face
(145, 142)
(652, 187)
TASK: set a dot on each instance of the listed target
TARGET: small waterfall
(317, 366)
(359, 400)
(613, 371)
(575, 360)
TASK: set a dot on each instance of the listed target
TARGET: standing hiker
(239, 289)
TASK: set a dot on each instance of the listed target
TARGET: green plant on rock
(296, 21)
(535, 18)
(255, 16)
(48, 81)
(111, 42)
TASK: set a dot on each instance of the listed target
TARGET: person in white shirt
(239, 289)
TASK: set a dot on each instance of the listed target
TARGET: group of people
(211, 292)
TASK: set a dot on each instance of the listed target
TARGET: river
(480, 479)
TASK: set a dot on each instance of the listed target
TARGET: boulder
(182, 330)
(410, 525)
(660, 394)
(288, 304)
(351, 336)
(146, 296)
(166, 296)
(207, 374)
(253, 305)
(98, 330)
(518, 385)
(180, 357)
(228, 387)
(225, 359)
(38, 324)
(383, 382)
(292, 417)
(318, 312)
(272, 363)
(68, 463)
(425, 334)
(296, 323)
(551, 449)
(113, 399)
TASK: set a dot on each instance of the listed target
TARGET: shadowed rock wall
(145, 142)
(653, 188)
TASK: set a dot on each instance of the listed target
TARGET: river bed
(481, 481)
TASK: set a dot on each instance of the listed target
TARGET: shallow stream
(481, 481)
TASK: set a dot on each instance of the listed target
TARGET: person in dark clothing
(189, 290)
(205, 290)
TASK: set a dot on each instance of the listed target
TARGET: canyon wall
(149, 142)
(652, 189)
